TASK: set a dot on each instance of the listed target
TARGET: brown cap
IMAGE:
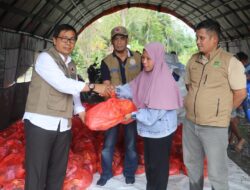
(119, 30)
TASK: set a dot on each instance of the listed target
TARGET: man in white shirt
(54, 94)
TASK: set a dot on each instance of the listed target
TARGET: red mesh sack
(140, 169)
(7, 132)
(175, 166)
(77, 179)
(108, 114)
(11, 167)
(117, 170)
(2, 140)
(11, 146)
(75, 184)
(126, 107)
(16, 184)
(117, 166)
(4, 151)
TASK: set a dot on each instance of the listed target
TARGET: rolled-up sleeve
(236, 74)
(124, 91)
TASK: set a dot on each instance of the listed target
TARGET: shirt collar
(213, 53)
(204, 60)
(68, 59)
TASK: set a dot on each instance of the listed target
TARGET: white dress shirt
(47, 68)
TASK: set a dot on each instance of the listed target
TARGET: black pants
(156, 155)
(46, 157)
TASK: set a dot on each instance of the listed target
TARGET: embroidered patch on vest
(132, 61)
(217, 64)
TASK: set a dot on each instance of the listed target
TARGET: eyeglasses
(66, 40)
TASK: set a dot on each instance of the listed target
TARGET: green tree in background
(143, 25)
(78, 58)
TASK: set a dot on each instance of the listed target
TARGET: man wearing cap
(120, 67)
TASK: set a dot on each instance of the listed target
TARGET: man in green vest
(54, 94)
(118, 68)
(216, 84)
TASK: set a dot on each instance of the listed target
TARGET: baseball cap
(121, 30)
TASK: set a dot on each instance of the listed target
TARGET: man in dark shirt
(118, 68)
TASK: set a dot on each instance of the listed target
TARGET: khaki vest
(132, 68)
(46, 100)
(209, 100)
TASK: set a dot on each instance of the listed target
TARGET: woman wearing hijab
(156, 97)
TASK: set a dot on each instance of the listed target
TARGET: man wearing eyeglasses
(54, 94)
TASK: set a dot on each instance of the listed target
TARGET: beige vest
(209, 100)
(46, 100)
(132, 68)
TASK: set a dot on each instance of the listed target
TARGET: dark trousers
(46, 157)
(131, 158)
(156, 156)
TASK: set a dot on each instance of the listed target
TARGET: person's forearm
(107, 82)
(237, 101)
(238, 97)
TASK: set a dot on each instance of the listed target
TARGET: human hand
(128, 117)
(123, 91)
(101, 89)
(105, 90)
(110, 91)
(82, 115)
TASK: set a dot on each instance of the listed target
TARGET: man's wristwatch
(91, 87)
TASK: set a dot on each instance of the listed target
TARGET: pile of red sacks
(176, 159)
(84, 157)
(12, 157)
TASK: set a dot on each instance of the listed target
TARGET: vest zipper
(218, 105)
(198, 90)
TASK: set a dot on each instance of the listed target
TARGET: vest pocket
(57, 101)
(218, 105)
